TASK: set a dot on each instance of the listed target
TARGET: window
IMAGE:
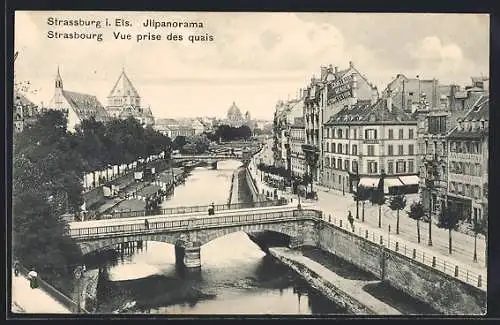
(371, 134)
(346, 149)
(410, 134)
(339, 148)
(339, 133)
(355, 134)
(391, 134)
(372, 167)
(354, 166)
(346, 164)
(327, 161)
(339, 163)
(333, 133)
(327, 147)
(333, 162)
(400, 167)
(340, 179)
(444, 148)
(411, 166)
(411, 149)
(333, 147)
(371, 150)
(390, 150)
(346, 133)
(327, 132)
(354, 149)
(437, 124)
(390, 167)
(426, 147)
(400, 150)
(401, 133)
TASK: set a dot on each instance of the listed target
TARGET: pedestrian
(350, 218)
(146, 223)
(16, 268)
(33, 278)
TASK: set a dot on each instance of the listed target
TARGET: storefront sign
(340, 89)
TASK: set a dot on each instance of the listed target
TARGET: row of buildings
(174, 127)
(123, 101)
(421, 135)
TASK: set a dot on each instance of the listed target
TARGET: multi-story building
(468, 162)
(326, 96)
(297, 138)
(173, 128)
(368, 140)
(436, 120)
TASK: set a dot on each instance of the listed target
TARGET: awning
(409, 180)
(369, 181)
(391, 182)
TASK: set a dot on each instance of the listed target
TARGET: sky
(254, 60)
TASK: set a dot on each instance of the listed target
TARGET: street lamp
(78, 275)
(355, 182)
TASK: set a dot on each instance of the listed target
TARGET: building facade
(323, 98)
(174, 128)
(76, 106)
(436, 120)
(297, 138)
(468, 162)
(368, 140)
(124, 101)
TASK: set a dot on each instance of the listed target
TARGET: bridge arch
(199, 237)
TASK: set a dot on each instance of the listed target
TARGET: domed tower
(234, 116)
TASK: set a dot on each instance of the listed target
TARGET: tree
(378, 198)
(398, 202)
(179, 142)
(448, 219)
(417, 213)
(361, 195)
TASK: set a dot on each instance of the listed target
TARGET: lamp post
(429, 182)
(355, 181)
(78, 275)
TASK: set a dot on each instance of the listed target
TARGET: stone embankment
(345, 292)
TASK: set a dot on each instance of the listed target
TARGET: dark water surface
(236, 277)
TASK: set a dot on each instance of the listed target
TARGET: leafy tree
(417, 213)
(398, 203)
(378, 198)
(448, 219)
(361, 195)
(179, 142)
(46, 184)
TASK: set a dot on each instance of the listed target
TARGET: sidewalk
(33, 301)
(336, 204)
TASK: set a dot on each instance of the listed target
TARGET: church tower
(59, 82)
(58, 101)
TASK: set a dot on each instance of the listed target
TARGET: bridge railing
(191, 209)
(188, 224)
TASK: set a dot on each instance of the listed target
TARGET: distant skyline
(255, 60)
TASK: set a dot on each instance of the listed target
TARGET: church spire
(59, 82)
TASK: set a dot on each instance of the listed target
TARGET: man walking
(350, 218)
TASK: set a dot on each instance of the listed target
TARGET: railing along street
(191, 209)
(188, 224)
(418, 255)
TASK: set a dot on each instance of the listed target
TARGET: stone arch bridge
(189, 232)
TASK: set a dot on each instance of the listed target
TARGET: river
(236, 277)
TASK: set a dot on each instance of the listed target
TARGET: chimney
(351, 65)
(389, 99)
(374, 96)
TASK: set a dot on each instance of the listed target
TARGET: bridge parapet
(137, 227)
(191, 209)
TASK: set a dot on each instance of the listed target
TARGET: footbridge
(189, 231)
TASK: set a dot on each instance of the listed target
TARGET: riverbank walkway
(33, 301)
(353, 288)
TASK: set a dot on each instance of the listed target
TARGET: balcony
(371, 141)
